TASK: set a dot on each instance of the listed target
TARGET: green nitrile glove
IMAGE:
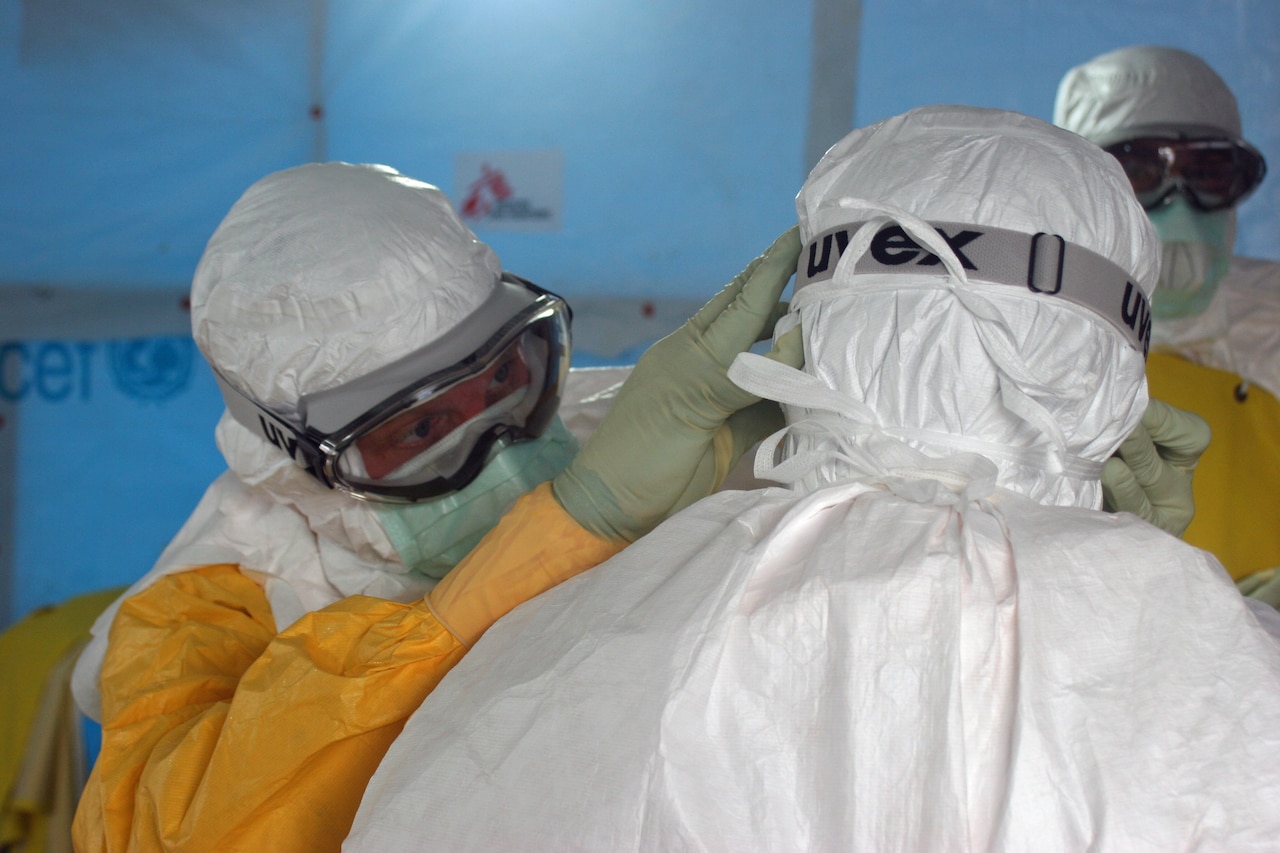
(678, 424)
(1263, 585)
(1150, 475)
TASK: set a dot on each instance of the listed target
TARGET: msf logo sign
(507, 196)
(489, 190)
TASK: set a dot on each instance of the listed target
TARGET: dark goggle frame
(1212, 174)
(319, 453)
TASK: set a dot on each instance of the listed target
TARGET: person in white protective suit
(932, 639)
(1174, 125)
(392, 440)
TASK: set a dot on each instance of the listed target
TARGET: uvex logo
(892, 247)
(1136, 313)
(287, 441)
(279, 437)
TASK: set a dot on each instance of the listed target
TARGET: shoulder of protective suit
(1251, 290)
(1110, 538)
(1254, 273)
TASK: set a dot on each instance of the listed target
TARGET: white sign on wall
(516, 190)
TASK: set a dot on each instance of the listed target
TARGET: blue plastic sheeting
(132, 126)
(680, 124)
(116, 446)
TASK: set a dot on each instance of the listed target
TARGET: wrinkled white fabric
(1240, 330)
(1147, 88)
(295, 294)
(918, 645)
(588, 395)
(852, 669)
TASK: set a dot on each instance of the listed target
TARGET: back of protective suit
(931, 639)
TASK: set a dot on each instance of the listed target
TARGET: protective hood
(1150, 90)
(965, 372)
(325, 272)
(1137, 90)
(317, 276)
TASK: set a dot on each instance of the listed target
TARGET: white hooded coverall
(249, 683)
(932, 639)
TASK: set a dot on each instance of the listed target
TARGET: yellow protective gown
(220, 734)
(1235, 481)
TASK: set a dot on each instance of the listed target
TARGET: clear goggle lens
(1213, 174)
(432, 444)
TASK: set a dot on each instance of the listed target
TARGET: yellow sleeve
(220, 735)
(534, 547)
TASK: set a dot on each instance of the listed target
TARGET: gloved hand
(1150, 475)
(1263, 585)
(678, 424)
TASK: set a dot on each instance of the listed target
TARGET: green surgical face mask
(433, 536)
(1195, 251)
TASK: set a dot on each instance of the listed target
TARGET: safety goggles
(427, 424)
(1213, 174)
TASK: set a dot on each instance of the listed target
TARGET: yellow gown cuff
(534, 547)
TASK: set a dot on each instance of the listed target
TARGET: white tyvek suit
(1233, 345)
(294, 296)
(933, 640)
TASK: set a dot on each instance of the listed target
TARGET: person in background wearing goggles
(1175, 127)
(398, 480)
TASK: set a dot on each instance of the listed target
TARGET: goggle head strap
(317, 456)
(305, 449)
(1042, 264)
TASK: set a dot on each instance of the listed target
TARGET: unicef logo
(151, 368)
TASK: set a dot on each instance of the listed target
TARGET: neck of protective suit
(432, 536)
(923, 363)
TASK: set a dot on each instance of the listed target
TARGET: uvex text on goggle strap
(427, 424)
(1213, 174)
(1043, 264)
